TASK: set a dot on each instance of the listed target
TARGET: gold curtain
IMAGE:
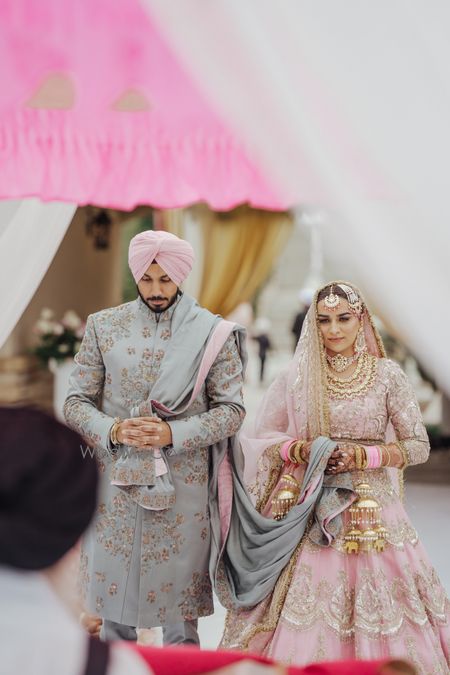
(170, 220)
(240, 249)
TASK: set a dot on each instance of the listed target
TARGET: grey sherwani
(144, 567)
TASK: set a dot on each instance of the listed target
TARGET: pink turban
(173, 254)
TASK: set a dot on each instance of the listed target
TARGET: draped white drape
(347, 105)
(30, 234)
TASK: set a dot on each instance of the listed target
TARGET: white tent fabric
(30, 234)
(345, 105)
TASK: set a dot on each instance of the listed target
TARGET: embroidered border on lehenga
(272, 610)
(416, 598)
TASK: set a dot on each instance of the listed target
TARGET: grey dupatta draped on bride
(250, 549)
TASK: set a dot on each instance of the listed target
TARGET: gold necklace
(339, 363)
(354, 376)
(358, 383)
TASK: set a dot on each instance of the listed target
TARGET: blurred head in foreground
(48, 489)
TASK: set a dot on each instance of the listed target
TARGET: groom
(157, 381)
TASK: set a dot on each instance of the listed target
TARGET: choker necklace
(358, 383)
(340, 363)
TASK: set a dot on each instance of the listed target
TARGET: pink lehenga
(329, 603)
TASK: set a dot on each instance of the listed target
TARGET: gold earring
(360, 342)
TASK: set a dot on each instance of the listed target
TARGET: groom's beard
(159, 303)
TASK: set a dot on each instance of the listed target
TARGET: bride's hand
(341, 460)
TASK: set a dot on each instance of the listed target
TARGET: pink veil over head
(296, 404)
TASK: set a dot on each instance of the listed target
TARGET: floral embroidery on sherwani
(142, 567)
(197, 593)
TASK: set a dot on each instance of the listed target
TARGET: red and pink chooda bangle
(374, 457)
(284, 451)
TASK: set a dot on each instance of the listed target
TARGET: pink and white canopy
(96, 108)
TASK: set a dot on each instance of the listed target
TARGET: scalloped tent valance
(95, 108)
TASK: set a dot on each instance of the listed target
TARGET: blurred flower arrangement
(58, 340)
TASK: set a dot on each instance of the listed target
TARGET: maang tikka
(332, 300)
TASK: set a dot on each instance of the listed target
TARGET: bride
(366, 590)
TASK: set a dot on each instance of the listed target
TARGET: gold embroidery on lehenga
(320, 654)
(438, 667)
(307, 605)
(375, 606)
(414, 658)
(402, 533)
